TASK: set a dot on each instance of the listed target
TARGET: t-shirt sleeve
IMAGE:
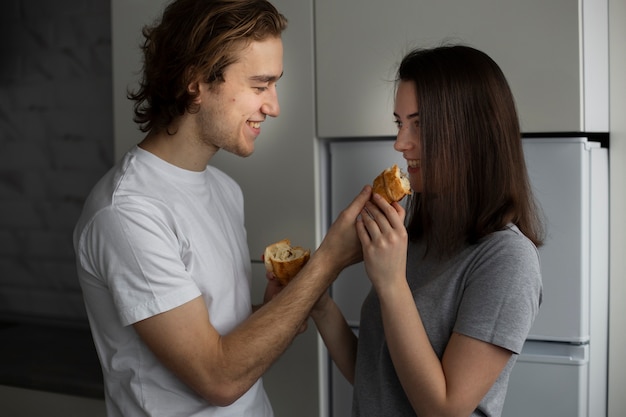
(134, 251)
(502, 294)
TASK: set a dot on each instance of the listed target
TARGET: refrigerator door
(559, 171)
(352, 165)
(340, 392)
(561, 177)
(549, 380)
(599, 287)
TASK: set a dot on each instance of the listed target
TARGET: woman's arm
(451, 387)
(339, 339)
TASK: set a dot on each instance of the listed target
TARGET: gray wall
(617, 164)
(55, 142)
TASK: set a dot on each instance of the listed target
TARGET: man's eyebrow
(266, 78)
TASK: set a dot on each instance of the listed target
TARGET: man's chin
(241, 151)
(246, 152)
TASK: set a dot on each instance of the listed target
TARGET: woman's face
(408, 141)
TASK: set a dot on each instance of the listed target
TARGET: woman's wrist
(321, 307)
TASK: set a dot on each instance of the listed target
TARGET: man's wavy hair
(195, 38)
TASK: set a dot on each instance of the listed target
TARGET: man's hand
(341, 245)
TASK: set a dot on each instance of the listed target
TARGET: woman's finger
(394, 212)
(361, 230)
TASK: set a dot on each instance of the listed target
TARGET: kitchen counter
(54, 358)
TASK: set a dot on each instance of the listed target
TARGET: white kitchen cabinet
(554, 54)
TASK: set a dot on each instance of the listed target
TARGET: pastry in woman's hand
(392, 184)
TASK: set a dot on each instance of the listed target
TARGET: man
(161, 247)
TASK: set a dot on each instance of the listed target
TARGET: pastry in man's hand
(285, 261)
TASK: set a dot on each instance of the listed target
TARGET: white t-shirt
(152, 237)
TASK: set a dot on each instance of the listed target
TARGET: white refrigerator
(562, 370)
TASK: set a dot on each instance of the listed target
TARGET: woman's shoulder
(509, 237)
(507, 248)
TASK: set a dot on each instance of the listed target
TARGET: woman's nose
(402, 143)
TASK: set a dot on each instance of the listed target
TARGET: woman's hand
(272, 287)
(384, 240)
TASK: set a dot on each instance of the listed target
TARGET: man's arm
(221, 368)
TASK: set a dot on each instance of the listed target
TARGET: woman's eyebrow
(410, 116)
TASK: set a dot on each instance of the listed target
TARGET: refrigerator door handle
(562, 360)
(554, 353)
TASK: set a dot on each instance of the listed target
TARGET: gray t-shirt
(490, 291)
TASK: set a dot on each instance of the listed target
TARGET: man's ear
(193, 88)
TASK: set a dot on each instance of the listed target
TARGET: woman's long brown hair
(474, 173)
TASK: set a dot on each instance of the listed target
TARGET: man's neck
(179, 149)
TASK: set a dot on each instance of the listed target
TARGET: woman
(456, 290)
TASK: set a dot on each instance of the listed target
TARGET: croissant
(392, 184)
(285, 261)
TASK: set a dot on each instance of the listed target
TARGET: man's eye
(398, 123)
(261, 89)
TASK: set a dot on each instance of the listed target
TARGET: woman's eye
(398, 123)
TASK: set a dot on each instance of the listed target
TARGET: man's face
(231, 113)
